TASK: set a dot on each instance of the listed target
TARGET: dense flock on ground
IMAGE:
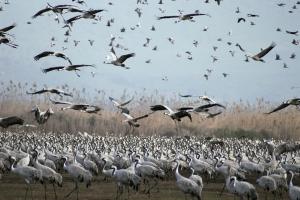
(141, 164)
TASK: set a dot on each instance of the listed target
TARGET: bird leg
(75, 188)
(222, 190)
(31, 192)
(26, 192)
(54, 191)
(45, 186)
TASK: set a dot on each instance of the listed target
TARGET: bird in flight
(119, 61)
(52, 53)
(260, 55)
(122, 105)
(188, 17)
(293, 102)
(67, 68)
(51, 90)
(132, 121)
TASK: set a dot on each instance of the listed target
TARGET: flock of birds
(132, 161)
(145, 162)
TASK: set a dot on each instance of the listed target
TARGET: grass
(240, 119)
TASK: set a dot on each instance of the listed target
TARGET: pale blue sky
(246, 81)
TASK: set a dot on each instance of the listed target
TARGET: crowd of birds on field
(134, 163)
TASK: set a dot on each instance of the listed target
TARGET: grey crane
(9, 121)
(52, 53)
(119, 61)
(188, 17)
(294, 191)
(175, 115)
(121, 105)
(260, 55)
(52, 91)
(42, 116)
(89, 14)
(293, 102)
(74, 68)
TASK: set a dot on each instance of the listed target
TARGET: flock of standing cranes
(144, 162)
(244, 166)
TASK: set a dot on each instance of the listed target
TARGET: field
(12, 187)
(240, 119)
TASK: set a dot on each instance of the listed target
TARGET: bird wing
(113, 53)
(240, 47)
(38, 92)
(72, 67)
(60, 102)
(114, 101)
(186, 95)
(69, 21)
(185, 108)
(41, 12)
(43, 54)
(129, 117)
(126, 102)
(161, 107)
(125, 57)
(241, 19)
(282, 106)
(8, 121)
(5, 29)
(140, 117)
(167, 17)
(196, 14)
(53, 68)
(265, 51)
(92, 12)
(63, 56)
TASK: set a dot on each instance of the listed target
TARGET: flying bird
(119, 61)
(260, 55)
(293, 102)
(174, 115)
(121, 105)
(52, 53)
(9, 121)
(51, 90)
(183, 17)
(67, 68)
(132, 121)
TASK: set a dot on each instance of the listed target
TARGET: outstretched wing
(282, 106)
(52, 69)
(72, 19)
(63, 56)
(114, 101)
(9, 121)
(168, 17)
(5, 29)
(41, 12)
(38, 92)
(60, 102)
(185, 95)
(129, 117)
(265, 51)
(125, 57)
(43, 54)
(196, 14)
(140, 117)
(126, 102)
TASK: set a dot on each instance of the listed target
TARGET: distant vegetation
(240, 119)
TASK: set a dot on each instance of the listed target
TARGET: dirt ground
(13, 187)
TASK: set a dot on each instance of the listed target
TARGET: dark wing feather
(126, 102)
(9, 121)
(207, 106)
(167, 17)
(195, 14)
(92, 12)
(38, 92)
(185, 108)
(125, 57)
(53, 68)
(265, 51)
(63, 56)
(69, 21)
(282, 106)
(183, 113)
(140, 117)
(41, 12)
(43, 54)
(158, 107)
(5, 29)
(60, 102)
(241, 19)
(185, 96)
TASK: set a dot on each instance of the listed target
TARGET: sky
(246, 80)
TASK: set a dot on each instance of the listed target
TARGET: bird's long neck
(178, 176)
(291, 181)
